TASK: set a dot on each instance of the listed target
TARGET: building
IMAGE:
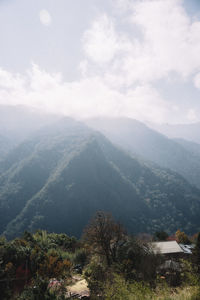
(170, 249)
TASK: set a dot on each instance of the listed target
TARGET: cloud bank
(121, 67)
(85, 98)
(168, 43)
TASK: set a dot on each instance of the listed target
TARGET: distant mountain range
(5, 146)
(18, 122)
(188, 132)
(135, 137)
(193, 148)
(63, 171)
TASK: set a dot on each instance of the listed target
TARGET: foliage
(105, 236)
(137, 261)
(160, 236)
(29, 262)
(96, 275)
(196, 253)
(39, 291)
(116, 289)
(189, 273)
(40, 266)
(54, 266)
(181, 237)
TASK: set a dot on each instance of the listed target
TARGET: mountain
(5, 146)
(138, 139)
(58, 178)
(194, 148)
(188, 132)
(18, 122)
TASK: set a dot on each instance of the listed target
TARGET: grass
(184, 293)
(120, 290)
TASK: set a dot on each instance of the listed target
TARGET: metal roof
(166, 247)
(187, 248)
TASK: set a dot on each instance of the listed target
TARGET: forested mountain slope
(137, 138)
(61, 176)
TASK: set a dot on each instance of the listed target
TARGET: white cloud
(169, 43)
(120, 69)
(192, 115)
(145, 101)
(197, 81)
(171, 38)
(83, 67)
(40, 80)
(85, 98)
(45, 17)
(10, 81)
(100, 41)
(121, 5)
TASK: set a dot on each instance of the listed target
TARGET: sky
(88, 58)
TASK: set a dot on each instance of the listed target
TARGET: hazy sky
(85, 58)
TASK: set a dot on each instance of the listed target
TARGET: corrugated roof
(166, 247)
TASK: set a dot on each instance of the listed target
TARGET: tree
(161, 236)
(181, 237)
(104, 235)
(136, 260)
(196, 253)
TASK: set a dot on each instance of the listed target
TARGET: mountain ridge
(71, 171)
(140, 140)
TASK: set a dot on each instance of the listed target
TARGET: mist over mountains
(188, 132)
(18, 122)
(58, 172)
(138, 139)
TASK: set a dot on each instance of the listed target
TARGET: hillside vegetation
(105, 264)
(57, 179)
(139, 140)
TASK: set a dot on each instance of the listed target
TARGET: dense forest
(106, 263)
(63, 173)
(179, 155)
